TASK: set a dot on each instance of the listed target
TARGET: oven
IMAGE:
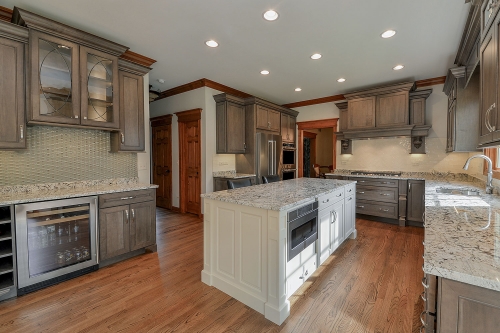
(302, 228)
(288, 174)
(56, 241)
(289, 152)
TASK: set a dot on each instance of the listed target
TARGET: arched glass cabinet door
(55, 89)
(99, 89)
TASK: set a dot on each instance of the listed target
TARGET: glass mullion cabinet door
(99, 88)
(55, 93)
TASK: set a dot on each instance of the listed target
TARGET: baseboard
(176, 209)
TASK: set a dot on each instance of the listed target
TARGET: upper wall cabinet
(230, 124)
(73, 75)
(12, 106)
(288, 128)
(267, 119)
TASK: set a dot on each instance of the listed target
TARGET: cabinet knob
(76, 116)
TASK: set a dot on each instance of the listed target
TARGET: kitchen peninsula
(250, 242)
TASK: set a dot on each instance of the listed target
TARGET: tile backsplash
(58, 154)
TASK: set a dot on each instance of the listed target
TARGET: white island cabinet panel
(251, 246)
(225, 224)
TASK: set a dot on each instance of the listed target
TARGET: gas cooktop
(369, 173)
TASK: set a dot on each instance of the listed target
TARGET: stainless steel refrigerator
(267, 155)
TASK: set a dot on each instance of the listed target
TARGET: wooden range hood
(396, 110)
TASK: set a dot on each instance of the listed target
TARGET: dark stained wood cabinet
(230, 125)
(361, 113)
(268, 119)
(462, 307)
(12, 94)
(415, 201)
(288, 129)
(131, 83)
(463, 111)
(127, 222)
(488, 96)
(392, 109)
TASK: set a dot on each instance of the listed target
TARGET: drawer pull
(327, 200)
(126, 198)
(360, 192)
(385, 194)
(306, 273)
(387, 183)
(385, 210)
(350, 190)
(339, 195)
(422, 319)
(349, 199)
(422, 296)
(360, 207)
(362, 181)
(424, 283)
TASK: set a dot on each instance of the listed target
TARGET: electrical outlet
(142, 166)
(223, 163)
(343, 162)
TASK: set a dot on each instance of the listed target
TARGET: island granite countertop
(281, 195)
(462, 235)
(11, 195)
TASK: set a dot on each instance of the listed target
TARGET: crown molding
(137, 58)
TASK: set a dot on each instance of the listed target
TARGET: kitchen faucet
(489, 185)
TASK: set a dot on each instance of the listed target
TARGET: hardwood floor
(371, 284)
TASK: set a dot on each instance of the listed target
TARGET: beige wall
(210, 161)
(392, 154)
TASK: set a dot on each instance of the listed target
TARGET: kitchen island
(246, 239)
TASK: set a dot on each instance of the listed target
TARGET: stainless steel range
(56, 240)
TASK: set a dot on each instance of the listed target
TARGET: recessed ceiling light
(264, 72)
(298, 89)
(388, 34)
(398, 67)
(316, 56)
(341, 80)
(271, 15)
(212, 43)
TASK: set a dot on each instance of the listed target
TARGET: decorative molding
(199, 84)
(470, 34)
(454, 73)
(228, 98)
(387, 89)
(131, 67)
(346, 147)
(14, 32)
(161, 120)
(36, 22)
(188, 115)
(317, 124)
(425, 93)
(137, 58)
(5, 14)
(310, 135)
(430, 82)
(315, 101)
(417, 145)
(259, 101)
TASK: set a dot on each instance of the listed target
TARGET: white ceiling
(345, 32)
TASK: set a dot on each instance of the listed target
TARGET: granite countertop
(281, 195)
(404, 177)
(11, 195)
(235, 175)
(462, 235)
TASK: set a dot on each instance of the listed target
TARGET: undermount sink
(458, 191)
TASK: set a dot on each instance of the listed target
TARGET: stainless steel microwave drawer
(384, 194)
(126, 198)
(381, 209)
(376, 181)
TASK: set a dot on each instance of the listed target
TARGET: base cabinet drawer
(126, 198)
(384, 194)
(376, 181)
(377, 209)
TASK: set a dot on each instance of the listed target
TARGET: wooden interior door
(162, 159)
(190, 161)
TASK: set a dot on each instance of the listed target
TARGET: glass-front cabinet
(54, 80)
(99, 73)
(72, 84)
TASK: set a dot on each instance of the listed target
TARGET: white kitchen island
(246, 239)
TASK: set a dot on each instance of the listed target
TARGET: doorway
(189, 123)
(309, 155)
(161, 128)
(303, 126)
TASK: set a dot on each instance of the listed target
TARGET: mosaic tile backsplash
(58, 154)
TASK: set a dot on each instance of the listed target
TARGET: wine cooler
(56, 240)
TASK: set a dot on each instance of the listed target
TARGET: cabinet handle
(133, 214)
(409, 187)
(386, 182)
(325, 201)
(123, 137)
(339, 195)
(360, 192)
(76, 116)
(422, 319)
(385, 210)
(361, 181)
(126, 215)
(423, 243)
(349, 199)
(422, 296)
(384, 194)
(333, 216)
(424, 283)
(360, 207)
(85, 118)
(126, 198)
(487, 118)
(21, 131)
